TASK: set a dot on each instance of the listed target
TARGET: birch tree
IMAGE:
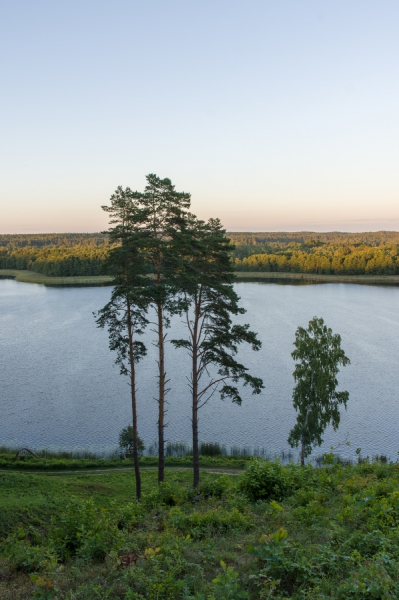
(315, 397)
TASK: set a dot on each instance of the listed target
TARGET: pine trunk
(302, 451)
(195, 401)
(161, 399)
(134, 406)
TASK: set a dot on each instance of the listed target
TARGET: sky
(276, 115)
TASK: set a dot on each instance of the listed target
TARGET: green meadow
(271, 531)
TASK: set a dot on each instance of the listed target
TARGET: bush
(24, 555)
(227, 585)
(271, 552)
(375, 580)
(168, 495)
(264, 479)
(86, 531)
(216, 488)
(200, 525)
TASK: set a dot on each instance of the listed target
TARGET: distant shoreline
(33, 277)
(100, 280)
(316, 278)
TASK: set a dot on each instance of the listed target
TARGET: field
(271, 532)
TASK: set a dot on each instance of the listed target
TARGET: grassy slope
(32, 498)
(32, 277)
(342, 540)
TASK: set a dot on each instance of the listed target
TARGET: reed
(32, 277)
(313, 277)
(59, 454)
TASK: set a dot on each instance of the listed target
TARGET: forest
(74, 254)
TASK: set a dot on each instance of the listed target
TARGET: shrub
(25, 556)
(271, 552)
(168, 495)
(128, 515)
(375, 580)
(216, 488)
(264, 479)
(162, 576)
(200, 525)
(226, 585)
(86, 531)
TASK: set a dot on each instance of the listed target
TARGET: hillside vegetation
(68, 255)
(319, 253)
(272, 532)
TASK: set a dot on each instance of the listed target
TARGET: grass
(276, 532)
(33, 498)
(32, 277)
(178, 454)
(28, 463)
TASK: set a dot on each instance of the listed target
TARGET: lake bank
(266, 276)
(269, 276)
(33, 277)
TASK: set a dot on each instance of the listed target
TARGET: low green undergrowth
(273, 532)
(54, 463)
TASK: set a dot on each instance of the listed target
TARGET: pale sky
(274, 114)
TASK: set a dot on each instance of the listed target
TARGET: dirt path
(216, 471)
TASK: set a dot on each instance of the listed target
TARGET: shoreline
(267, 276)
(316, 278)
(33, 277)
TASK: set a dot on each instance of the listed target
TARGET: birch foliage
(319, 355)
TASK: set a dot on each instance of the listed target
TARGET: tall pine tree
(204, 276)
(125, 314)
(165, 209)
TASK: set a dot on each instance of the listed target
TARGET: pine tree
(204, 276)
(125, 314)
(164, 209)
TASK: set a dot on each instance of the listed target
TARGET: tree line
(41, 240)
(313, 257)
(56, 261)
(63, 255)
(189, 260)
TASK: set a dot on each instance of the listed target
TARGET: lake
(59, 387)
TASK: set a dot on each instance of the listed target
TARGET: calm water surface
(60, 388)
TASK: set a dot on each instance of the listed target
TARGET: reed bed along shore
(32, 277)
(178, 454)
(267, 276)
(316, 278)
